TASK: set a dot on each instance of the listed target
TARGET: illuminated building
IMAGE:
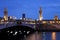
(10, 18)
(52, 21)
(23, 16)
(29, 20)
(5, 14)
(56, 17)
(40, 14)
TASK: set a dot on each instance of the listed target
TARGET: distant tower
(56, 17)
(5, 14)
(23, 16)
(40, 14)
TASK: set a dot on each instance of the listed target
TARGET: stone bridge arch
(19, 32)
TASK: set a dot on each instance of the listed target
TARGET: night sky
(31, 8)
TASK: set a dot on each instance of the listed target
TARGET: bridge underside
(16, 33)
(21, 32)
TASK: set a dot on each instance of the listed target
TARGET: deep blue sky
(31, 8)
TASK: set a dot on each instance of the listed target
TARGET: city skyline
(31, 8)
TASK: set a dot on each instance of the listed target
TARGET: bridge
(51, 24)
(21, 32)
(35, 24)
(26, 30)
(18, 32)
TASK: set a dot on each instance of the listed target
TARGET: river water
(52, 36)
(44, 36)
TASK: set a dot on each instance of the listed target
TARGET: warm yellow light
(56, 17)
(53, 35)
(44, 22)
(57, 22)
(5, 18)
(51, 22)
(2, 20)
(40, 18)
(10, 17)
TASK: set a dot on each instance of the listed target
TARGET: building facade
(5, 14)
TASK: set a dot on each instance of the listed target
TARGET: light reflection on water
(49, 36)
(53, 35)
(44, 36)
